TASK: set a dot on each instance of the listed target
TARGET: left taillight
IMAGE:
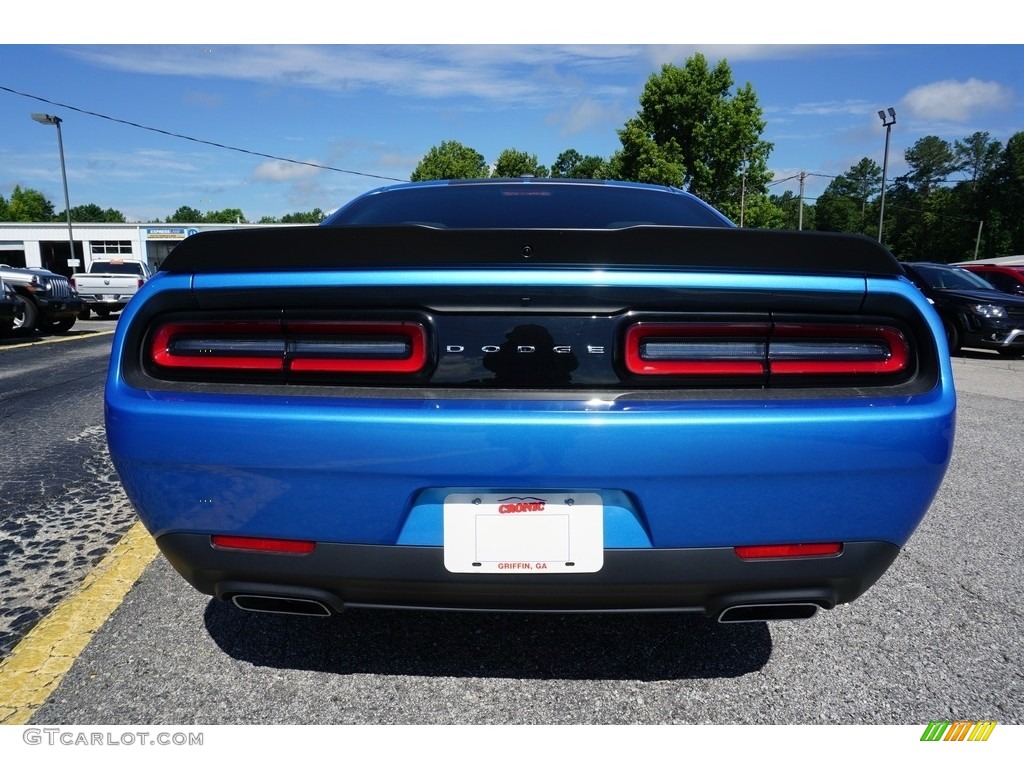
(766, 351)
(385, 347)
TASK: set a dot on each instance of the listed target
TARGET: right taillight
(837, 350)
(772, 351)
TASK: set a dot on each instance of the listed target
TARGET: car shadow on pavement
(645, 647)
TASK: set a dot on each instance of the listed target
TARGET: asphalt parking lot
(940, 636)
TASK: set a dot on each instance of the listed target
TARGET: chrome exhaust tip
(293, 606)
(736, 614)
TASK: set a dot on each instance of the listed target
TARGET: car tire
(5, 329)
(59, 326)
(84, 314)
(953, 336)
(25, 316)
(102, 312)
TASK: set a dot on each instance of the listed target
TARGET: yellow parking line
(13, 343)
(39, 662)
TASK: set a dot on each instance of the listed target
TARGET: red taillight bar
(772, 551)
(233, 336)
(764, 349)
(263, 544)
(366, 338)
(397, 347)
(884, 349)
(697, 349)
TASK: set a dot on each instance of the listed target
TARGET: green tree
(513, 163)
(763, 211)
(29, 205)
(846, 203)
(450, 160)
(977, 155)
(694, 131)
(862, 182)
(303, 217)
(642, 158)
(789, 216)
(90, 212)
(931, 161)
(5, 209)
(185, 215)
(226, 216)
(570, 164)
(1003, 193)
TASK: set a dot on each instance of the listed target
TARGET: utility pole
(743, 192)
(887, 121)
(800, 217)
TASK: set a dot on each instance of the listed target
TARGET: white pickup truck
(110, 284)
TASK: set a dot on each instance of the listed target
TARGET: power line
(194, 139)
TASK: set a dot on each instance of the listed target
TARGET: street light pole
(887, 121)
(45, 119)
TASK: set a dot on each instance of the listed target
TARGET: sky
(362, 109)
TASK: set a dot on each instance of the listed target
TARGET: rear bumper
(58, 309)
(708, 580)
(670, 475)
(112, 302)
(1000, 339)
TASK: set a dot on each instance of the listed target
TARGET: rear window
(527, 206)
(947, 278)
(116, 268)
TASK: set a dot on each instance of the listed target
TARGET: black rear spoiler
(414, 246)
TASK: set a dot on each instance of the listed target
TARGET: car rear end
(747, 424)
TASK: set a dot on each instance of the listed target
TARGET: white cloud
(279, 170)
(956, 100)
(487, 73)
(204, 99)
(828, 108)
(584, 115)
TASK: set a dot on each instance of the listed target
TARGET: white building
(46, 245)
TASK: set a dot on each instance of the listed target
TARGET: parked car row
(37, 299)
(1008, 278)
(973, 312)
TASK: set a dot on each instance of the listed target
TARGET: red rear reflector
(258, 544)
(769, 551)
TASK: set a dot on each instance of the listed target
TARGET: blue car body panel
(685, 473)
(335, 466)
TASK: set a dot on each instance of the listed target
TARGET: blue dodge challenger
(530, 395)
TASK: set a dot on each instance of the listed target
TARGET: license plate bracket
(524, 532)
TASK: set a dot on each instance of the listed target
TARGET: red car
(1009, 279)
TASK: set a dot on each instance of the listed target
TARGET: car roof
(1004, 268)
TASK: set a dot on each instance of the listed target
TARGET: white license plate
(523, 533)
